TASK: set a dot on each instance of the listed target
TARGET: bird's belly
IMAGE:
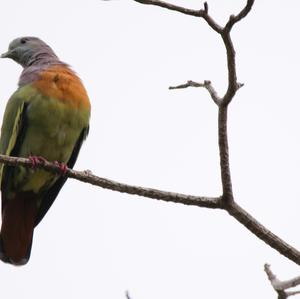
(55, 144)
(52, 132)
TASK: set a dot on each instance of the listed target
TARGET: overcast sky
(96, 243)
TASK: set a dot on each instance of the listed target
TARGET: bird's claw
(35, 160)
(62, 166)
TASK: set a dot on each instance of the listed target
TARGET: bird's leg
(35, 160)
(62, 166)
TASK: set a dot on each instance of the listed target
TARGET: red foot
(62, 166)
(35, 160)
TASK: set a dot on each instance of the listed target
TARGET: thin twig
(243, 13)
(206, 84)
(189, 84)
(127, 295)
(278, 284)
(292, 293)
(202, 13)
(187, 11)
(281, 286)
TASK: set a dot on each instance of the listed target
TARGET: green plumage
(52, 128)
(48, 117)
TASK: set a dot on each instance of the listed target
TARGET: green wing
(13, 118)
(12, 131)
(12, 123)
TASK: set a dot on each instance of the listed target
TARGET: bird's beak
(6, 54)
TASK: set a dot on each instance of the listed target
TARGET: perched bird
(47, 117)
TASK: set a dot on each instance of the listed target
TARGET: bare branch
(206, 84)
(202, 13)
(291, 282)
(234, 19)
(224, 155)
(271, 276)
(262, 232)
(278, 284)
(206, 7)
(291, 293)
(87, 177)
(188, 84)
(233, 85)
(281, 286)
(187, 11)
(226, 201)
(207, 202)
(232, 88)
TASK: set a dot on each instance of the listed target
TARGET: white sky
(96, 243)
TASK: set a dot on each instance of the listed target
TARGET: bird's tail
(18, 218)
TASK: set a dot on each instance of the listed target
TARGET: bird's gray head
(29, 51)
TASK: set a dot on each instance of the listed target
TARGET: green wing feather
(12, 131)
(12, 123)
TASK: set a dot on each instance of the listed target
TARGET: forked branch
(227, 199)
(233, 209)
(281, 286)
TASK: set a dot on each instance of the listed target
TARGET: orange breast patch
(62, 83)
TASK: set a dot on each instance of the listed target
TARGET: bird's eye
(23, 41)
